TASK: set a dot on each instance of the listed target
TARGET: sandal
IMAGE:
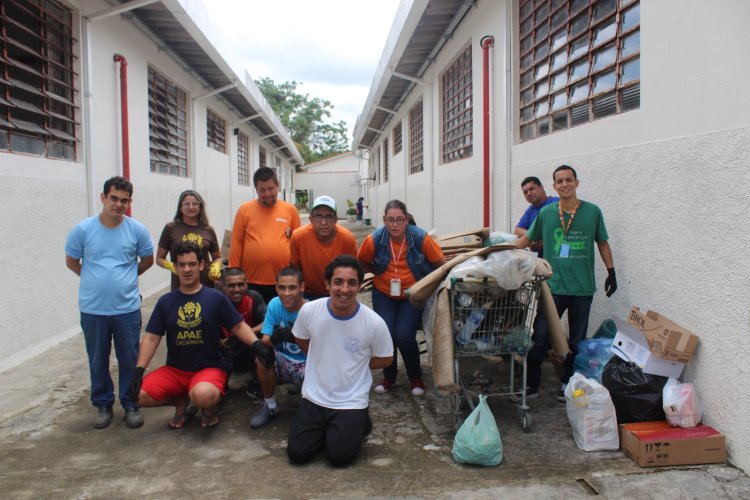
(181, 420)
(209, 420)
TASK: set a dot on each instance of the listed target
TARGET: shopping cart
(489, 320)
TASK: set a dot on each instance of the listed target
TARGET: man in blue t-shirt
(277, 332)
(534, 193)
(191, 317)
(109, 251)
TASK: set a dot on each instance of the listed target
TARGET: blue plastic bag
(593, 355)
(478, 440)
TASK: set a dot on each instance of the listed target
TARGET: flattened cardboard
(631, 345)
(482, 232)
(656, 444)
(225, 244)
(468, 241)
(666, 339)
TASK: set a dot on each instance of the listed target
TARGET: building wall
(44, 199)
(669, 178)
(335, 177)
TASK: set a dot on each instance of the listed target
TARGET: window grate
(167, 117)
(243, 159)
(385, 160)
(38, 111)
(397, 138)
(458, 109)
(579, 61)
(262, 157)
(216, 132)
(416, 139)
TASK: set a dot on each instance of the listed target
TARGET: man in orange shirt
(261, 234)
(318, 243)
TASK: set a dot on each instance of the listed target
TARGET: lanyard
(396, 259)
(570, 221)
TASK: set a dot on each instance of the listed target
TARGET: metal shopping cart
(489, 320)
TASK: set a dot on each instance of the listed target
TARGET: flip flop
(210, 420)
(181, 420)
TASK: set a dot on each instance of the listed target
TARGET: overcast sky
(332, 46)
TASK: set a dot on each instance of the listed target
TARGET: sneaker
(103, 417)
(263, 416)
(417, 386)
(384, 385)
(561, 394)
(253, 390)
(133, 418)
(532, 393)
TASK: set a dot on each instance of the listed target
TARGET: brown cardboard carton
(656, 444)
(467, 241)
(666, 339)
(482, 232)
(225, 244)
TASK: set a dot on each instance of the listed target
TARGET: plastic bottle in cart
(472, 323)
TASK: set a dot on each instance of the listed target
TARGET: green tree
(304, 119)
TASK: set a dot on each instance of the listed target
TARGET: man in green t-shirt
(569, 229)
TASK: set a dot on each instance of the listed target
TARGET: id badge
(565, 250)
(395, 287)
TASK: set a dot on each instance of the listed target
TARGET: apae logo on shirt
(189, 315)
(195, 238)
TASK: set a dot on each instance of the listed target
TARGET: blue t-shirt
(192, 324)
(530, 214)
(277, 315)
(109, 264)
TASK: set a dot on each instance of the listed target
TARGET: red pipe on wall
(124, 116)
(486, 42)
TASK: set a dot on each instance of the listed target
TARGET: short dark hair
(265, 174)
(186, 247)
(234, 271)
(291, 271)
(565, 167)
(345, 260)
(119, 183)
(533, 179)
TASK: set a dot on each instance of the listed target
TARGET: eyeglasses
(321, 218)
(190, 204)
(395, 222)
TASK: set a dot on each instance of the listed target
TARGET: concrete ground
(49, 449)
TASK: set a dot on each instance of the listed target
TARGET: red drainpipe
(486, 42)
(124, 116)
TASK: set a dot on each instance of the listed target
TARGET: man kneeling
(343, 340)
(277, 333)
(191, 317)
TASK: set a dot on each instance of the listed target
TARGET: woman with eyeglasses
(399, 254)
(191, 224)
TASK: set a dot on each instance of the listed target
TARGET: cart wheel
(526, 422)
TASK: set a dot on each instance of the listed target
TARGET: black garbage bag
(637, 396)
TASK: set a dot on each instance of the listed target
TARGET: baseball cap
(324, 201)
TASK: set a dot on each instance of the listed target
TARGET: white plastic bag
(591, 414)
(681, 404)
(478, 439)
(510, 268)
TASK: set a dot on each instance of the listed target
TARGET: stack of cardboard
(465, 241)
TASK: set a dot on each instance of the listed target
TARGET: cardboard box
(631, 345)
(656, 444)
(225, 244)
(666, 339)
(482, 232)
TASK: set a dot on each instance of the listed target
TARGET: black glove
(610, 284)
(265, 354)
(231, 342)
(282, 334)
(135, 384)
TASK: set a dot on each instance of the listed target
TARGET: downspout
(509, 111)
(486, 42)
(86, 111)
(118, 58)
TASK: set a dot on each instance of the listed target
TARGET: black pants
(340, 432)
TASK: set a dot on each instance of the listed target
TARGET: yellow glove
(169, 265)
(214, 272)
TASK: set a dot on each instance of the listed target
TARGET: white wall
(43, 199)
(334, 177)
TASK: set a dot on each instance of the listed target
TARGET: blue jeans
(99, 332)
(402, 319)
(578, 308)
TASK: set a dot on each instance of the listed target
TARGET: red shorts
(167, 382)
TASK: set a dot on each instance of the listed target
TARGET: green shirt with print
(572, 274)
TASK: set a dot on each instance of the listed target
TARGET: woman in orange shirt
(399, 254)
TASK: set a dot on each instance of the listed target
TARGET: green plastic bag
(478, 440)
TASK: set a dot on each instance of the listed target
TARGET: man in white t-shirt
(343, 341)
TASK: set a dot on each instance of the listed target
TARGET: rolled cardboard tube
(557, 338)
